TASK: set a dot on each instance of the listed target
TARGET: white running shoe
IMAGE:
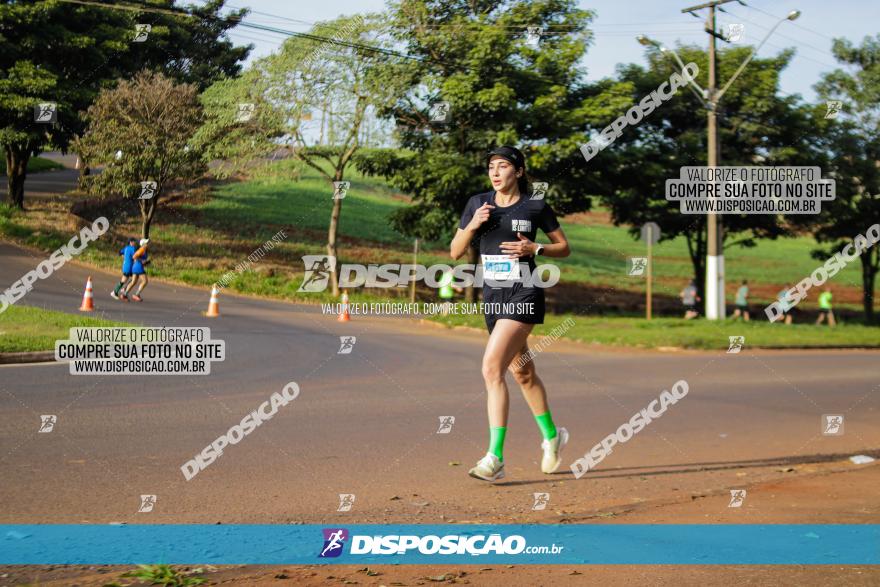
(489, 468)
(552, 448)
(114, 295)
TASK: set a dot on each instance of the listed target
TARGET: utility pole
(714, 254)
(715, 306)
(714, 290)
(710, 98)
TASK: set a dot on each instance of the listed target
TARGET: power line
(793, 23)
(801, 55)
(265, 28)
(824, 52)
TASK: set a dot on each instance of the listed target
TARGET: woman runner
(504, 224)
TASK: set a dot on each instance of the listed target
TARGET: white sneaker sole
(563, 440)
(498, 475)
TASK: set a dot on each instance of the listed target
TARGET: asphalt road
(365, 423)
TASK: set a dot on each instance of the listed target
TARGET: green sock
(545, 423)
(496, 441)
(117, 288)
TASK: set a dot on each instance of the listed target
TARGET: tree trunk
(869, 272)
(331, 236)
(697, 253)
(148, 210)
(16, 172)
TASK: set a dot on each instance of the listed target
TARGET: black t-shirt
(525, 216)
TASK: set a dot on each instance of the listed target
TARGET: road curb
(27, 357)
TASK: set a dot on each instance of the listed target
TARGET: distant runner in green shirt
(785, 303)
(742, 302)
(447, 290)
(825, 308)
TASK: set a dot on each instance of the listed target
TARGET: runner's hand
(480, 216)
(520, 248)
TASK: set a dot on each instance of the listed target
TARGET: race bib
(500, 268)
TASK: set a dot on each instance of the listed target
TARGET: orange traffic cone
(88, 304)
(213, 307)
(343, 315)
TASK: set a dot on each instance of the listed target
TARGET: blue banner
(704, 544)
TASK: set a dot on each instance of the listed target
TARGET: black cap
(509, 153)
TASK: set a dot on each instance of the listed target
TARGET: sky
(618, 22)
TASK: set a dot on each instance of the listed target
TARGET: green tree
(327, 73)
(756, 126)
(191, 46)
(501, 88)
(151, 120)
(62, 53)
(852, 141)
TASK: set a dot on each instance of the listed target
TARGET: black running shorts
(519, 303)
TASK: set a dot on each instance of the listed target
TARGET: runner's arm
(559, 246)
(460, 243)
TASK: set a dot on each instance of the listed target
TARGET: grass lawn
(23, 328)
(197, 240)
(601, 250)
(36, 165)
(691, 334)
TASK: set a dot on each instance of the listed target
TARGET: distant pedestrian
(689, 298)
(742, 302)
(127, 253)
(139, 270)
(447, 290)
(784, 300)
(825, 310)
